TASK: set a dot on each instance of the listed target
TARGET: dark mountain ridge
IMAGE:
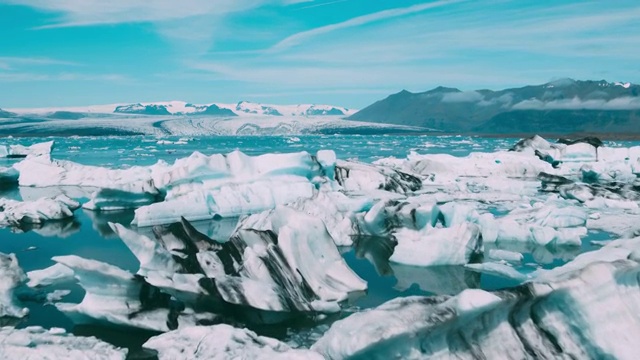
(561, 106)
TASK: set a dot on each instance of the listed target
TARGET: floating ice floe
(14, 212)
(115, 296)
(17, 151)
(222, 342)
(35, 342)
(53, 274)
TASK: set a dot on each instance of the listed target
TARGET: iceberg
(115, 296)
(589, 313)
(19, 151)
(15, 213)
(35, 342)
(276, 263)
(356, 176)
(12, 277)
(54, 274)
(456, 245)
(222, 342)
(231, 200)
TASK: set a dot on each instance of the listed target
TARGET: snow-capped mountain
(213, 109)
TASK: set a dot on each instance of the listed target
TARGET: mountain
(167, 108)
(6, 114)
(561, 106)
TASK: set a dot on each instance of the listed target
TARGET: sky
(341, 52)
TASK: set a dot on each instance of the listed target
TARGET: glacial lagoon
(89, 236)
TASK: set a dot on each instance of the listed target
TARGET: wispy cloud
(93, 12)
(321, 4)
(35, 77)
(9, 62)
(357, 21)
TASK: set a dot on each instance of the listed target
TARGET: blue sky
(342, 52)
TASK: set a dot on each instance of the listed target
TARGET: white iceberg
(23, 151)
(222, 342)
(115, 296)
(457, 245)
(35, 342)
(52, 275)
(231, 200)
(587, 313)
(14, 212)
(279, 261)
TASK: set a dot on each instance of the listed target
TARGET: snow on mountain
(216, 109)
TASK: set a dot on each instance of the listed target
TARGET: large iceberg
(590, 313)
(276, 263)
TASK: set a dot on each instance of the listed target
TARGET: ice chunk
(444, 166)
(279, 261)
(14, 212)
(230, 200)
(115, 296)
(23, 151)
(133, 196)
(11, 277)
(457, 245)
(308, 251)
(586, 313)
(41, 171)
(356, 176)
(51, 275)
(338, 211)
(222, 342)
(35, 342)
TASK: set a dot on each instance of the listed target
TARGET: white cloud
(463, 96)
(8, 62)
(34, 77)
(357, 21)
(621, 103)
(92, 12)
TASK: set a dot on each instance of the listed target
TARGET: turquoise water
(87, 235)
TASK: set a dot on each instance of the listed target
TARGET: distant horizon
(305, 103)
(343, 52)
